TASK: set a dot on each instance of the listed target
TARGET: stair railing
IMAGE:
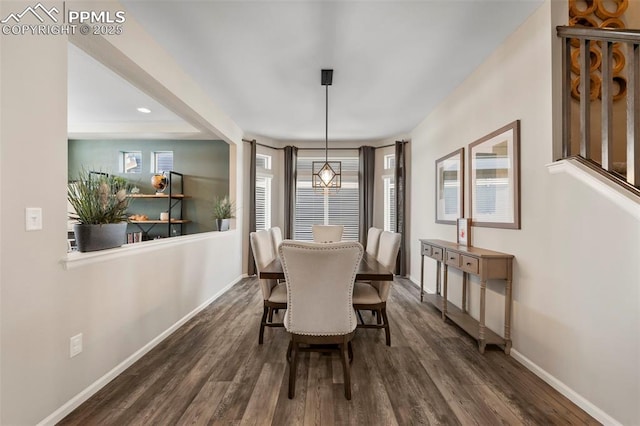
(606, 38)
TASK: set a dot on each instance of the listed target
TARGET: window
(390, 162)
(131, 162)
(389, 204)
(389, 194)
(263, 192)
(314, 207)
(162, 161)
(263, 162)
(263, 203)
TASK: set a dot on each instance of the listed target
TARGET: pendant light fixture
(326, 175)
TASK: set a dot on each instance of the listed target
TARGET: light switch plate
(75, 345)
(33, 218)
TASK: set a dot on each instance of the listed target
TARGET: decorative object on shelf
(326, 175)
(494, 178)
(171, 216)
(450, 187)
(223, 210)
(100, 203)
(159, 181)
(464, 231)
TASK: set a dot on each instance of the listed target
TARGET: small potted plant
(100, 204)
(223, 210)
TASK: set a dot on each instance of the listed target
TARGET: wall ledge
(619, 196)
(77, 259)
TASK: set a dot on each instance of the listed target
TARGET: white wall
(576, 298)
(119, 304)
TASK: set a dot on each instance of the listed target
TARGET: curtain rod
(317, 149)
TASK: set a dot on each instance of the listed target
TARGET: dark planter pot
(222, 224)
(100, 237)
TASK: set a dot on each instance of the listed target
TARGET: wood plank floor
(212, 371)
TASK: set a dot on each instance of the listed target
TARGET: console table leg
(464, 292)
(438, 277)
(444, 293)
(481, 331)
(422, 278)
(507, 309)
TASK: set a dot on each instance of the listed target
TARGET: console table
(484, 263)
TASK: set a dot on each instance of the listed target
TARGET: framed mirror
(450, 187)
(494, 178)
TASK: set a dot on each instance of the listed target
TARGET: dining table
(369, 269)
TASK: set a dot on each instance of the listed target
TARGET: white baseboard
(81, 397)
(565, 390)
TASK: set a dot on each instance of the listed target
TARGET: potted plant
(100, 203)
(223, 210)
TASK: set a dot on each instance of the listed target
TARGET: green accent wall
(204, 164)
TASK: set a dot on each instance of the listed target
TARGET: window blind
(263, 203)
(314, 207)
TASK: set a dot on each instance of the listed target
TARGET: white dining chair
(327, 233)
(274, 294)
(320, 306)
(373, 240)
(373, 295)
(276, 238)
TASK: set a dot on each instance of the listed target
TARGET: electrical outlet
(75, 345)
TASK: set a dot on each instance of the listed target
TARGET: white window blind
(162, 161)
(263, 203)
(389, 204)
(317, 207)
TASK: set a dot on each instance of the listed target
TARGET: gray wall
(204, 164)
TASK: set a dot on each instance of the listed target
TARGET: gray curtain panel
(366, 179)
(251, 269)
(290, 176)
(400, 183)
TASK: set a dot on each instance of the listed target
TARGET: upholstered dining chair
(327, 233)
(274, 295)
(276, 238)
(373, 240)
(373, 295)
(320, 310)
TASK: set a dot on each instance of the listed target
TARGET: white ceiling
(260, 61)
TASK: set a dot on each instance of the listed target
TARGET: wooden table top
(370, 269)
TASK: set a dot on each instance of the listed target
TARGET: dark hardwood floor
(212, 371)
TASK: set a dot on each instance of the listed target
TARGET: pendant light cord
(326, 126)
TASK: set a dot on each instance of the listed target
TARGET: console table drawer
(426, 250)
(470, 264)
(452, 258)
(436, 253)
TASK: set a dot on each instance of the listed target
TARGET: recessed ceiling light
(144, 110)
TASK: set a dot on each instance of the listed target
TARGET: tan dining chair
(320, 310)
(373, 240)
(276, 238)
(327, 233)
(274, 294)
(373, 295)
